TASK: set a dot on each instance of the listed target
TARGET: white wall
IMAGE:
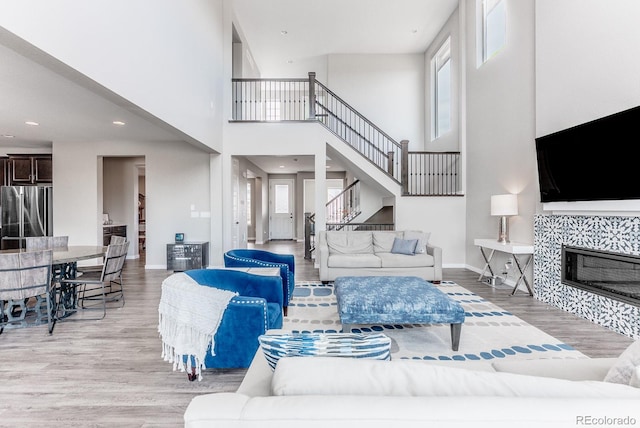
(164, 56)
(586, 61)
(386, 89)
(500, 128)
(177, 178)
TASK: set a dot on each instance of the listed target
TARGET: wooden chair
(25, 290)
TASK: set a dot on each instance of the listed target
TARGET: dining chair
(102, 286)
(33, 243)
(25, 290)
(117, 239)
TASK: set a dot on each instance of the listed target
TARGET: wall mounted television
(593, 161)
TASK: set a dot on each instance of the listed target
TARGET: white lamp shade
(504, 205)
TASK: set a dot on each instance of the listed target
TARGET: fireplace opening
(606, 273)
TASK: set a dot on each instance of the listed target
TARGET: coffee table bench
(396, 300)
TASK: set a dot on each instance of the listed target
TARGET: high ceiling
(284, 33)
(68, 106)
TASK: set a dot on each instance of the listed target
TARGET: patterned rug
(489, 332)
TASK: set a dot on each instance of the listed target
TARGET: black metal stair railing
(357, 131)
(345, 206)
(286, 100)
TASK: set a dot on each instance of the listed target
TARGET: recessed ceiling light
(281, 166)
(284, 32)
(414, 31)
(328, 166)
(8, 136)
(31, 123)
(118, 122)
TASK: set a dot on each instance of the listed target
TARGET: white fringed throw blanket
(189, 317)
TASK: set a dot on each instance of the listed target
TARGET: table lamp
(504, 206)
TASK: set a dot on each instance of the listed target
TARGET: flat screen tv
(593, 161)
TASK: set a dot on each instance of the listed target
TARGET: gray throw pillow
(404, 246)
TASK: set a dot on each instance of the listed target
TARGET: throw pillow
(404, 246)
(422, 237)
(374, 346)
(622, 370)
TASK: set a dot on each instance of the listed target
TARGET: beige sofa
(369, 253)
(347, 392)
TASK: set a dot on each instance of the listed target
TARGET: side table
(515, 249)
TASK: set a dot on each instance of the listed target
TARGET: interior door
(281, 212)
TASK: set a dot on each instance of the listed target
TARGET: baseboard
(151, 267)
(454, 266)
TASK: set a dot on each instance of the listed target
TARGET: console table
(183, 256)
(515, 249)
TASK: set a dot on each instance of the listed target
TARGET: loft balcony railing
(432, 174)
(286, 100)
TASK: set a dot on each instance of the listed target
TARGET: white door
(281, 208)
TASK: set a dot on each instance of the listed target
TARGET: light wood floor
(109, 373)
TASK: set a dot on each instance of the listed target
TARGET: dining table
(64, 297)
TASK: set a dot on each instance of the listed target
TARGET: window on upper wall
(441, 90)
(494, 27)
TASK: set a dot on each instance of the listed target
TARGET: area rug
(489, 332)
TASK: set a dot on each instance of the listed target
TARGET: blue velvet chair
(256, 309)
(258, 258)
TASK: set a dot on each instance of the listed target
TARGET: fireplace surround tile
(611, 233)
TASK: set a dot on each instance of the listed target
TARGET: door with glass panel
(281, 213)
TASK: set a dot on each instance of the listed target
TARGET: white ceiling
(69, 106)
(321, 27)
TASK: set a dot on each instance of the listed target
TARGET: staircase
(418, 173)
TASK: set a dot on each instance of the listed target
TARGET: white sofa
(347, 392)
(369, 253)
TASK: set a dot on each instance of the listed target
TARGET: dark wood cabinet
(21, 170)
(43, 168)
(29, 169)
(4, 171)
(109, 231)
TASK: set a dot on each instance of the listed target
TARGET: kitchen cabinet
(113, 230)
(30, 169)
(4, 171)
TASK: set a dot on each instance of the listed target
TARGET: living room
(546, 78)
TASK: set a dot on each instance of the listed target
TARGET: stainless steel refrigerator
(26, 211)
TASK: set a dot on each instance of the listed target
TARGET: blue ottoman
(396, 300)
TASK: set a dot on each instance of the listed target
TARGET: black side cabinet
(187, 255)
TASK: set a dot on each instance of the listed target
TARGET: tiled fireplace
(615, 234)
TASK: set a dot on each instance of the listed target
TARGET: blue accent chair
(256, 309)
(259, 258)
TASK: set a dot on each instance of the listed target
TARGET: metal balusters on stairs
(419, 173)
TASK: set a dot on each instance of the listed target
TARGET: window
(494, 27)
(441, 98)
(282, 199)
